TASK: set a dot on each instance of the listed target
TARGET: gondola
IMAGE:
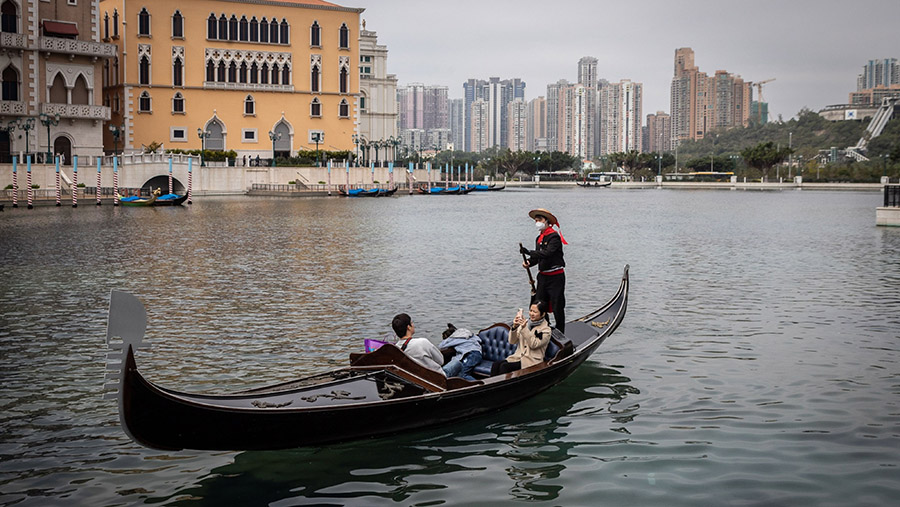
(358, 192)
(379, 393)
(155, 199)
(384, 192)
(488, 188)
(170, 200)
(593, 183)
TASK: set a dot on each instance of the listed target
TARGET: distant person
(531, 335)
(419, 350)
(548, 256)
(467, 352)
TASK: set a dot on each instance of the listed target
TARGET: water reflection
(529, 443)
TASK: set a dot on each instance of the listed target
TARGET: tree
(764, 156)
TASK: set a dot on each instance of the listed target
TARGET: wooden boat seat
(495, 347)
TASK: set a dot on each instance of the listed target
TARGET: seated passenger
(532, 336)
(466, 355)
(419, 350)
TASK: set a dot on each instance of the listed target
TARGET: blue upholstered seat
(495, 347)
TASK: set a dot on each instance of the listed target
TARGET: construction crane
(759, 97)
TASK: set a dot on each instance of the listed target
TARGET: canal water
(758, 363)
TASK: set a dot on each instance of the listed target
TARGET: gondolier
(548, 256)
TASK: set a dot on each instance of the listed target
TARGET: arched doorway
(282, 144)
(162, 183)
(216, 139)
(5, 147)
(62, 147)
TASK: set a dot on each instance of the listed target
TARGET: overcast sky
(813, 48)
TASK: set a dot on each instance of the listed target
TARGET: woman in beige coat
(532, 335)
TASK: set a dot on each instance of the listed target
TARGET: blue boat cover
(167, 197)
(130, 198)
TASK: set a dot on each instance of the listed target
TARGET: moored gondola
(381, 392)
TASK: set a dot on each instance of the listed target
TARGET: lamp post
(203, 136)
(116, 130)
(376, 145)
(790, 152)
(355, 138)
(317, 137)
(47, 120)
(395, 141)
(659, 164)
(274, 136)
(25, 124)
(10, 128)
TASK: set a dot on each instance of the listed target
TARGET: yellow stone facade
(212, 65)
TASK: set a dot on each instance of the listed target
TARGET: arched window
(285, 32)
(249, 106)
(223, 27)
(254, 29)
(285, 75)
(115, 71)
(232, 72)
(273, 31)
(315, 35)
(344, 80)
(220, 72)
(362, 102)
(178, 103)
(105, 73)
(210, 71)
(177, 25)
(212, 27)
(244, 29)
(264, 74)
(177, 72)
(233, 28)
(144, 23)
(344, 109)
(275, 74)
(344, 37)
(264, 30)
(10, 83)
(216, 139)
(315, 108)
(282, 142)
(115, 23)
(105, 26)
(144, 103)
(80, 93)
(314, 78)
(58, 92)
(144, 70)
(254, 73)
(9, 17)
(242, 73)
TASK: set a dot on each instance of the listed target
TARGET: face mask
(540, 225)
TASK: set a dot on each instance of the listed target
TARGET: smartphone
(520, 314)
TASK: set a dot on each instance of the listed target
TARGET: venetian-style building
(51, 61)
(262, 78)
(377, 100)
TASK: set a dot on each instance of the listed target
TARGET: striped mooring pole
(75, 181)
(58, 186)
(15, 184)
(30, 189)
(115, 180)
(328, 185)
(391, 175)
(99, 160)
(409, 177)
(190, 179)
(170, 175)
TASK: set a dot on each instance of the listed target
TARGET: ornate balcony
(13, 108)
(77, 47)
(77, 111)
(13, 40)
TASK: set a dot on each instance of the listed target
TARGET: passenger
(532, 336)
(419, 350)
(466, 352)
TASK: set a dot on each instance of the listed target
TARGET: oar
(528, 269)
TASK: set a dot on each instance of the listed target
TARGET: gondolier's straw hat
(541, 212)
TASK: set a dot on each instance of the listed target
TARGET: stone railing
(81, 111)
(78, 47)
(248, 86)
(13, 40)
(13, 108)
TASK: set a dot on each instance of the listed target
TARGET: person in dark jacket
(548, 256)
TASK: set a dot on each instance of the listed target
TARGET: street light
(203, 137)
(356, 139)
(317, 137)
(117, 130)
(376, 145)
(47, 120)
(25, 124)
(274, 136)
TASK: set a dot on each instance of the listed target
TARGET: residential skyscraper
(458, 123)
(659, 132)
(536, 125)
(620, 117)
(437, 112)
(517, 125)
(553, 114)
(411, 102)
(700, 103)
(587, 76)
(884, 72)
(497, 94)
(478, 122)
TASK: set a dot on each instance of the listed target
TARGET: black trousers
(503, 366)
(552, 290)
